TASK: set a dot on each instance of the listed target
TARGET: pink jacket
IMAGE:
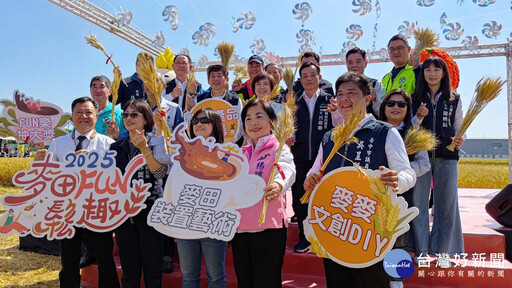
(260, 163)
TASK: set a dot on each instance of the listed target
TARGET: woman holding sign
(258, 250)
(205, 123)
(439, 110)
(140, 246)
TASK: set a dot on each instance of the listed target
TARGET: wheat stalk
(392, 218)
(487, 89)
(288, 78)
(115, 88)
(380, 218)
(148, 76)
(284, 130)
(91, 40)
(291, 102)
(425, 38)
(341, 135)
(191, 79)
(240, 73)
(419, 139)
(298, 63)
(225, 51)
(317, 248)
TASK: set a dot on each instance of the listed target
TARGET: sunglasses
(202, 120)
(131, 115)
(391, 103)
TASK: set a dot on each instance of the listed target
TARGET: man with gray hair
(101, 89)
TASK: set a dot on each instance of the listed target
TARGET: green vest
(404, 80)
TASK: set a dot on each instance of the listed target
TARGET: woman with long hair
(205, 123)
(395, 109)
(439, 110)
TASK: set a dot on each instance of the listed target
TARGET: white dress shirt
(63, 145)
(395, 153)
(183, 86)
(311, 101)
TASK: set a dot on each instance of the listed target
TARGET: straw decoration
(316, 247)
(148, 76)
(291, 102)
(386, 213)
(419, 139)
(191, 79)
(341, 135)
(275, 91)
(115, 88)
(288, 78)
(240, 73)
(284, 130)
(487, 89)
(91, 40)
(225, 51)
(425, 38)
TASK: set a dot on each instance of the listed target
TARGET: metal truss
(100, 17)
(97, 16)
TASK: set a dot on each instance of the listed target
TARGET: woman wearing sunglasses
(140, 246)
(258, 250)
(205, 123)
(439, 110)
(396, 110)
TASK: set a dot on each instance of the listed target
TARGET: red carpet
(306, 270)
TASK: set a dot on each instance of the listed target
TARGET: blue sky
(45, 56)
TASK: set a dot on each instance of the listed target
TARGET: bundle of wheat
(425, 38)
(487, 89)
(91, 40)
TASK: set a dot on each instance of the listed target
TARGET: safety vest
(406, 80)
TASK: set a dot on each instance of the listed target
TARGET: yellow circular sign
(229, 114)
(353, 219)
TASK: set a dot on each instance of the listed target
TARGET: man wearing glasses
(176, 90)
(83, 139)
(402, 75)
(218, 80)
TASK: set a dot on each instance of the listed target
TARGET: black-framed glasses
(202, 120)
(131, 115)
(398, 48)
(392, 103)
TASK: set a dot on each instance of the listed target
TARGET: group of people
(408, 97)
(18, 151)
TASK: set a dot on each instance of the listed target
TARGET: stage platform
(485, 248)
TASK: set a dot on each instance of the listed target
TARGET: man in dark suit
(176, 90)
